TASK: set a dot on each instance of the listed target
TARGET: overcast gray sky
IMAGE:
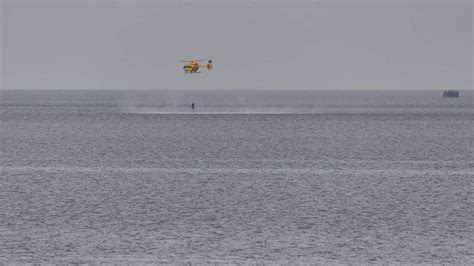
(254, 44)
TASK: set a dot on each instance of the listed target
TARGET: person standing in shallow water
(192, 106)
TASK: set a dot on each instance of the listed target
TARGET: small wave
(292, 111)
(231, 170)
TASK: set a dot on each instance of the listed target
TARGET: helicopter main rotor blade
(200, 60)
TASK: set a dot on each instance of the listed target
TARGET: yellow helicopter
(193, 66)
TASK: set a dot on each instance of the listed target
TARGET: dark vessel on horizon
(451, 94)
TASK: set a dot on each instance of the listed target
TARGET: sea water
(126, 176)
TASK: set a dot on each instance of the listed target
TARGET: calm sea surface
(272, 177)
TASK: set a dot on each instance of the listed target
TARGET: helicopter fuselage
(192, 67)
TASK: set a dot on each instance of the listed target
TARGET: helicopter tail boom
(208, 65)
